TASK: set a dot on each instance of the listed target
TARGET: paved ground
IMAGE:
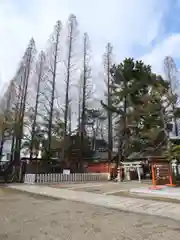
(157, 208)
(131, 189)
(103, 187)
(24, 217)
(165, 191)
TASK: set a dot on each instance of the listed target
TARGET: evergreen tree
(141, 100)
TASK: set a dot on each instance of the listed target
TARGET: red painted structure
(99, 167)
(102, 167)
(161, 172)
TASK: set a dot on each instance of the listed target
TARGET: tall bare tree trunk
(27, 69)
(171, 74)
(41, 61)
(16, 115)
(57, 37)
(80, 103)
(86, 71)
(72, 25)
(83, 114)
(109, 64)
(6, 119)
(70, 120)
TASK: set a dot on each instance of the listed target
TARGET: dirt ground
(28, 217)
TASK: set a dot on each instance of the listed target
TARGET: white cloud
(127, 24)
(168, 47)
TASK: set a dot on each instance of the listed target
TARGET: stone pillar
(128, 173)
(139, 174)
(174, 168)
(119, 174)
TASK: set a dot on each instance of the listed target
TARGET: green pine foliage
(141, 101)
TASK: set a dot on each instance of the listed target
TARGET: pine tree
(138, 96)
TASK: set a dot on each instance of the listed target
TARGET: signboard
(132, 169)
(162, 171)
(66, 172)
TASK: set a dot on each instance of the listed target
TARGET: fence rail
(66, 178)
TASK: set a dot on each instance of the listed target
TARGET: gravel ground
(25, 217)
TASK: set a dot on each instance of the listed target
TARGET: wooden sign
(162, 172)
(66, 172)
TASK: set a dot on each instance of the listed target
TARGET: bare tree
(15, 117)
(24, 74)
(6, 120)
(86, 76)
(51, 78)
(107, 66)
(89, 95)
(80, 88)
(171, 74)
(39, 70)
(71, 39)
(70, 119)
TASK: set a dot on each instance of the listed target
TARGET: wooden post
(170, 180)
(171, 184)
(109, 171)
(154, 187)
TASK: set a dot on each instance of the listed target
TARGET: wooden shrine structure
(130, 168)
(164, 172)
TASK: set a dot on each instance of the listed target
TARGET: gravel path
(24, 217)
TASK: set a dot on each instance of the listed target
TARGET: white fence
(66, 178)
(29, 178)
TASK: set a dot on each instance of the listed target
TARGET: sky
(143, 29)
